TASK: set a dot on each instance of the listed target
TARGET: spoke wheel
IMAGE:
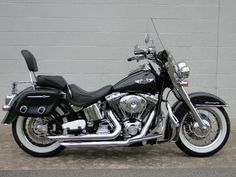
(35, 130)
(201, 142)
(31, 136)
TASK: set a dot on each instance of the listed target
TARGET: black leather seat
(52, 81)
(83, 98)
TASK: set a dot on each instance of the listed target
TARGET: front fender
(202, 99)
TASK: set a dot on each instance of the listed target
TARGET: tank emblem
(144, 81)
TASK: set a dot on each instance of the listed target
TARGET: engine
(132, 110)
(132, 107)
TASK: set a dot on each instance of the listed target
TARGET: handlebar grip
(131, 59)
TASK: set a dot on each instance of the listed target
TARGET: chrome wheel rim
(34, 145)
(36, 130)
(200, 141)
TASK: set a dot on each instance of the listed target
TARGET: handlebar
(145, 51)
(149, 53)
(141, 54)
(137, 58)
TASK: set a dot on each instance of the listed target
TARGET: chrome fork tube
(187, 100)
(180, 89)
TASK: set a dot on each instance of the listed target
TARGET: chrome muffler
(90, 137)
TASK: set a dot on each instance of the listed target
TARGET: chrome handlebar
(143, 53)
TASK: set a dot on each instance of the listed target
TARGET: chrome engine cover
(133, 108)
(132, 129)
(132, 104)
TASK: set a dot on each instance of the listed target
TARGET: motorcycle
(51, 114)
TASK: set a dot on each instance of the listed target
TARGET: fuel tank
(141, 81)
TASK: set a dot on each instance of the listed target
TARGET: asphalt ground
(197, 172)
(158, 160)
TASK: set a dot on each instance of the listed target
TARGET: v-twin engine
(129, 114)
(132, 110)
(132, 105)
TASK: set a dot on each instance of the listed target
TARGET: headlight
(182, 71)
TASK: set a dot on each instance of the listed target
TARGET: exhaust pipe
(96, 137)
(108, 143)
(146, 127)
(141, 137)
(174, 122)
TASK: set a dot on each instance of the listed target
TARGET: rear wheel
(199, 142)
(31, 136)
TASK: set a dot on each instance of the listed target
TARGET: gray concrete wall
(88, 41)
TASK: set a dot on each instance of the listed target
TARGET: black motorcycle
(52, 114)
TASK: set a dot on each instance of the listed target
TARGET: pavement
(229, 172)
(164, 159)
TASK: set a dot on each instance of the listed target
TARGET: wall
(88, 41)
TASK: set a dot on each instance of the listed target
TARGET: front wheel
(199, 142)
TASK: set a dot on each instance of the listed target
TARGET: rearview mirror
(147, 38)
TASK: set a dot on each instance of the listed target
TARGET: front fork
(187, 100)
(174, 120)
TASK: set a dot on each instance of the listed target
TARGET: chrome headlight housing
(182, 71)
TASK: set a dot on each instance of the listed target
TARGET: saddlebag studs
(41, 110)
(23, 109)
